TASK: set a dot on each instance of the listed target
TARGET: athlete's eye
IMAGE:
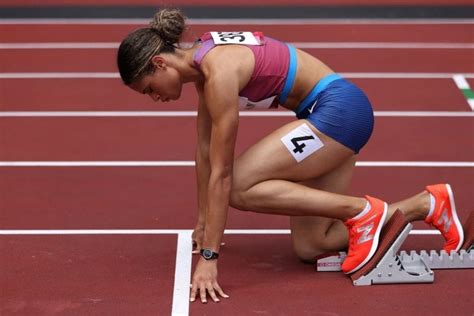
(147, 90)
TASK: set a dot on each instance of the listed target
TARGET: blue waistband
(320, 86)
(290, 76)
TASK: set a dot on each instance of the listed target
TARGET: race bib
(244, 38)
(246, 104)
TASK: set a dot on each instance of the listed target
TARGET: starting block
(388, 266)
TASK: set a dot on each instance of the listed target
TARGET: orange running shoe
(444, 216)
(364, 232)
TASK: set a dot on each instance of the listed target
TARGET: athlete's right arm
(202, 165)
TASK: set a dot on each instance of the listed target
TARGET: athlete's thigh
(271, 159)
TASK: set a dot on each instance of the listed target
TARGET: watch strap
(208, 254)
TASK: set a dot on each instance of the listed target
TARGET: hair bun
(169, 24)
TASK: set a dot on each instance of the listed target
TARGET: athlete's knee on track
(308, 246)
(307, 251)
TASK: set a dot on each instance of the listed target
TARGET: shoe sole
(375, 244)
(455, 217)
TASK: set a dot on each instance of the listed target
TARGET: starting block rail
(388, 265)
(434, 260)
(440, 260)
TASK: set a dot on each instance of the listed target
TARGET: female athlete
(302, 169)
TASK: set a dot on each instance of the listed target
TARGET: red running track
(125, 274)
(148, 139)
(102, 275)
(91, 285)
(90, 95)
(340, 60)
(336, 32)
(165, 197)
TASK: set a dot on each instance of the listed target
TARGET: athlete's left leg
(266, 180)
(314, 235)
(266, 176)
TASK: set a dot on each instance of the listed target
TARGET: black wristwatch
(208, 254)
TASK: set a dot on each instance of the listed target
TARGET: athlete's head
(144, 56)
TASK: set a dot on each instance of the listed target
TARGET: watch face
(207, 254)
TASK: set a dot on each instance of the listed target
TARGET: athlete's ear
(158, 62)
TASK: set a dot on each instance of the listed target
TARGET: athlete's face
(163, 84)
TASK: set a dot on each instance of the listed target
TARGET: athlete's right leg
(414, 208)
(312, 236)
(435, 205)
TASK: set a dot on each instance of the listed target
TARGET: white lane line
(424, 232)
(423, 114)
(92, 231)
(104, 113)
(368, 75)
(62, 45)
(57, 75)
(410, 164)
(185, 233)
(269, 113)
(182, 275)
(224, 22)
(383, 45)
(96, 163)
(304, 45)
(461, 82)
(432, 164)
(463, 85)
(401, 75)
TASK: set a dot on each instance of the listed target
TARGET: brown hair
(137, 49)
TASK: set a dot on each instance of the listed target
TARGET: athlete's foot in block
(364, 233)
(443, 216)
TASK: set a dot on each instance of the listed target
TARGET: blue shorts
(340, 110)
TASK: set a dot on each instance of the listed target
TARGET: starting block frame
(391, 269)
(405, 267)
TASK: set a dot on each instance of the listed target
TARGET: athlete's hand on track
(205, 281)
